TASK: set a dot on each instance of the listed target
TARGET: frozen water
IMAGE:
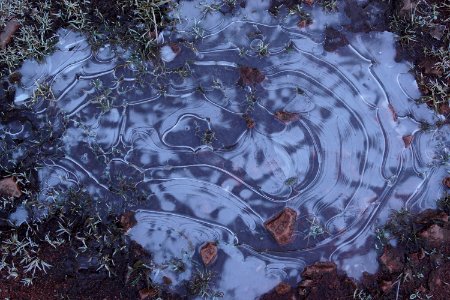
(174, 135)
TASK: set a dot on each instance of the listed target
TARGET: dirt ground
(417, 268)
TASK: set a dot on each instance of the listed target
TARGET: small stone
(286, 117)
(429, 67)
(169, 52)
(407, 7)
(304, 23)
(444, 109)
(431, 216)
(15, 77)
(7, 34)
(127, 220)
(318, 269)
(386, 286)
(250, 76)
(393, 112)
(10, 188)
(148, 293)
(306, 283)
(391, 260)
(435, 235)
(446, 182)
(282, 288)
(249, 121)
(208, 252)
(175, 48)
(282, 226)
(417, 256)
(438, 31)
(407, 140)
(167, 280)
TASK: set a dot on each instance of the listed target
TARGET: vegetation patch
(418, 267)
(424, 38)
(29, 26)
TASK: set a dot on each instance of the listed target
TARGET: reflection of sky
(344, 157)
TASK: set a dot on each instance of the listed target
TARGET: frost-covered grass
(125, 22)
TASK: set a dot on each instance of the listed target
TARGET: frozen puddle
(172, 139)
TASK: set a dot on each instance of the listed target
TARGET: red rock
(249, 121)
(127, 220)
(407, 139)
(417, 256)
(429, 67)
(282, 226)
(10, 188)
(391, 260)
(393, 112)
(208, 252)
(386, 286)
(439, 278)
(435, 235)
(446, 182)
(286, 117)
(7, 34)
(444, 109)
(15, 77)
(304, 23)
(322, 281)
(438, 31)
(152, 34)
(318, 269)
(407, 7)
(282, 288)
(147, 293)
(175, 48)
(431, 216)
(309, 2)
(306, 283)
(250, 76)
(167, 280)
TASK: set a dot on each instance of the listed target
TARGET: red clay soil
(73, 276)
(64, 280)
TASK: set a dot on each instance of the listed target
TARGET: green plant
(315, 229)
(328, 6)
(200, 285)
(361, 295)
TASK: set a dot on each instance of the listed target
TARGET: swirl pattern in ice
(174, 138)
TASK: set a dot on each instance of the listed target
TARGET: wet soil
(417, 267)
(423, 39)
(77, 275)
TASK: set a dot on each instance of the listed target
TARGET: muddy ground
(416, 268)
